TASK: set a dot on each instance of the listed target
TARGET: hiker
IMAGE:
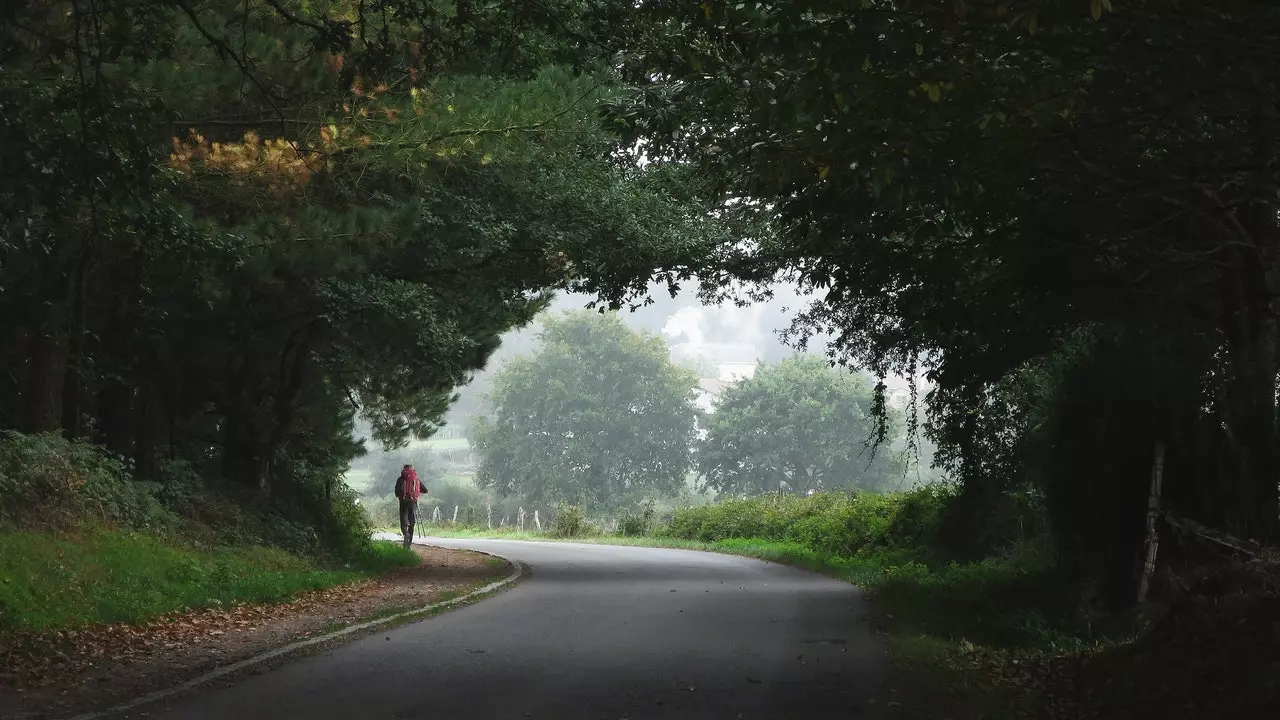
(408, 488)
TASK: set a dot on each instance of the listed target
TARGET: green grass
(359, 480)
(114, 576)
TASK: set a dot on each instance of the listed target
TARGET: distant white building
(709, 391)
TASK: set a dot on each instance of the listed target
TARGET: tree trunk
(73, 382)
(116, 418)
(248, 453)
(44, 382)
(1153, 515)
(152, 429)
(72, 409)
(249, 463)
(1251, 418)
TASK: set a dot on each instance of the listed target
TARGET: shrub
(841, 524)
(179, 487)
(569, 522)
(640, 524)
(345, 528)
(46, 477)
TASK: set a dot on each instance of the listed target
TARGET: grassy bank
(83, 542)
(90, 576)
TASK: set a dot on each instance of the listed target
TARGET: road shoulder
(61, 674)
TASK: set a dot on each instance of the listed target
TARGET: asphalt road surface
(597, 632)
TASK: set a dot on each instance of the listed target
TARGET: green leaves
(356, 207)
(598, 413)
(799, 425)
(1004, 179)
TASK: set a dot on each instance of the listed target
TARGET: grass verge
(100, 575)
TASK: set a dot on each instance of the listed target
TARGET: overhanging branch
(470, 132)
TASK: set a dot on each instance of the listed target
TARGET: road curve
(598, 632)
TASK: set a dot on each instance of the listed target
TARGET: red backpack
(410, 488)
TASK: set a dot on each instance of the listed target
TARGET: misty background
(722, 343)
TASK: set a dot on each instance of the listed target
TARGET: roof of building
(714, 386)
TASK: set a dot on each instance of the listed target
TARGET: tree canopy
(799, 422)
(1064, 212)
(227, 228)
(598, 416)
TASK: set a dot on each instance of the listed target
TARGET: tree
(237, 222)
(597, 415)
(996, 191)
(800, 422)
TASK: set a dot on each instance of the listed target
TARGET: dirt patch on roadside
(59, 673)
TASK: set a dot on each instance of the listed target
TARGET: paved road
(597, 632)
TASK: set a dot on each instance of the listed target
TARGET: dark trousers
(408, 517)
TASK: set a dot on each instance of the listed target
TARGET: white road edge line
(516, 573)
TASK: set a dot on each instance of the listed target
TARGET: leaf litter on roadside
(118, 657)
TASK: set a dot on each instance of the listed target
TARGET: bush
(841, 524)
(179, 486)
(638, 525)
(569, 522)
(48, 478)
(632, 526)
(345, 528)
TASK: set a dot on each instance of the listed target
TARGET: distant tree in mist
(597, 414)
(801, 422)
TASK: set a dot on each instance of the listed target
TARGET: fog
(727, 339)
(726, 335)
